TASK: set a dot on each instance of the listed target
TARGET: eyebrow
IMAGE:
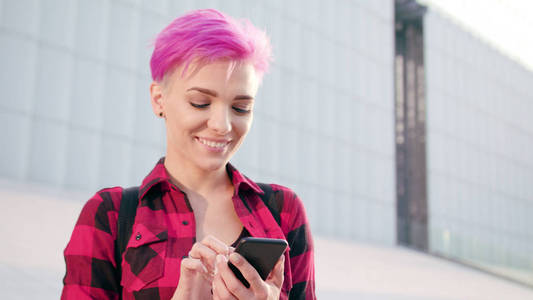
(215, 94)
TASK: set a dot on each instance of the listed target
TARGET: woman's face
(208, 113)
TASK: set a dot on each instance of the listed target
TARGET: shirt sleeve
(301, 248)
(91, 271)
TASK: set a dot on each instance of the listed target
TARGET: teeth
(212, 144)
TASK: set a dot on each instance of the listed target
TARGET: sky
(505, 24)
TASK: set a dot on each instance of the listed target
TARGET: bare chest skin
(216, 216)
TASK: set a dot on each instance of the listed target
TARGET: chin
(212, 164)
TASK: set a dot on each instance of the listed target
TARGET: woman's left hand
(226, 286)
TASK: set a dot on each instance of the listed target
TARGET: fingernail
(234, 258)
(220, 258)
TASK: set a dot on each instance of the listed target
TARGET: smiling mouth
(217, 145)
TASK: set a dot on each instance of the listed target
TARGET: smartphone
(261, 253)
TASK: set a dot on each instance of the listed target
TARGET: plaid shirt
(164, 232)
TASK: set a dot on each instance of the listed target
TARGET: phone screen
(261, 253)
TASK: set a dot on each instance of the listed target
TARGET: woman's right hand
(197, 270)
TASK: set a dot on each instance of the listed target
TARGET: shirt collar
(241, 182)
(159, 176)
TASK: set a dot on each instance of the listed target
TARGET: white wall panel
(47, 151)
(18, 58)
(248, 154)
(342, 106)
(271, 148)
(343, 176)
(290, 142)
(92, 28)
(146, 126)
(118, 107)
(83, 157)
(328, 102)
(57, 30)
(311, 104)
(143, 161)
(115, 159)
(15, 129)
(54, 83)
(310, 168)
(88, 97)
(477, 149)
(21, 16)
(270, 95)
(122, 36)
(292, 41)
(157, 6)
(289, 100)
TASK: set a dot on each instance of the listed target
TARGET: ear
(156, 98)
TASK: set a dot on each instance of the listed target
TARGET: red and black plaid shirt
(164, 232)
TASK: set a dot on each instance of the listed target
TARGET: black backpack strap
(126, 218)
(269, 198)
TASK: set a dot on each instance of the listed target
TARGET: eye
(241, 110)
(199, 105)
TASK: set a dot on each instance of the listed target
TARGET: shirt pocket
(144, 258)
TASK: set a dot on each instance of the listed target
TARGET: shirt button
(138, 237)
(185, 222)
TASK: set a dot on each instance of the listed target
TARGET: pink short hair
(205, 36)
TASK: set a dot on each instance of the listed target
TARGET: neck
(193, 180)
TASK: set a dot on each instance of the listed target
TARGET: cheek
(188, 121)
(242, 127)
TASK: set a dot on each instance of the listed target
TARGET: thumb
(190, 267)
(276, 276)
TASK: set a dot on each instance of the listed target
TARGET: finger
(247, 270)
(218, 246)
(205, 254)
(257, 285)
(192, 266)
(233, 284)
(219, 288)
(276, 276)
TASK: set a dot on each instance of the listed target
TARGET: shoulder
(107, 198)
(102, 209)
(291, 201)
(290, 205)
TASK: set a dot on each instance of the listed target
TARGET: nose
(220, 120)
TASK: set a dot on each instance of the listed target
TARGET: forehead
(220, 76)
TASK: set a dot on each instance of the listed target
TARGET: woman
(194, 204)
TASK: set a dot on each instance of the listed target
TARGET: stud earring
(161, 114)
